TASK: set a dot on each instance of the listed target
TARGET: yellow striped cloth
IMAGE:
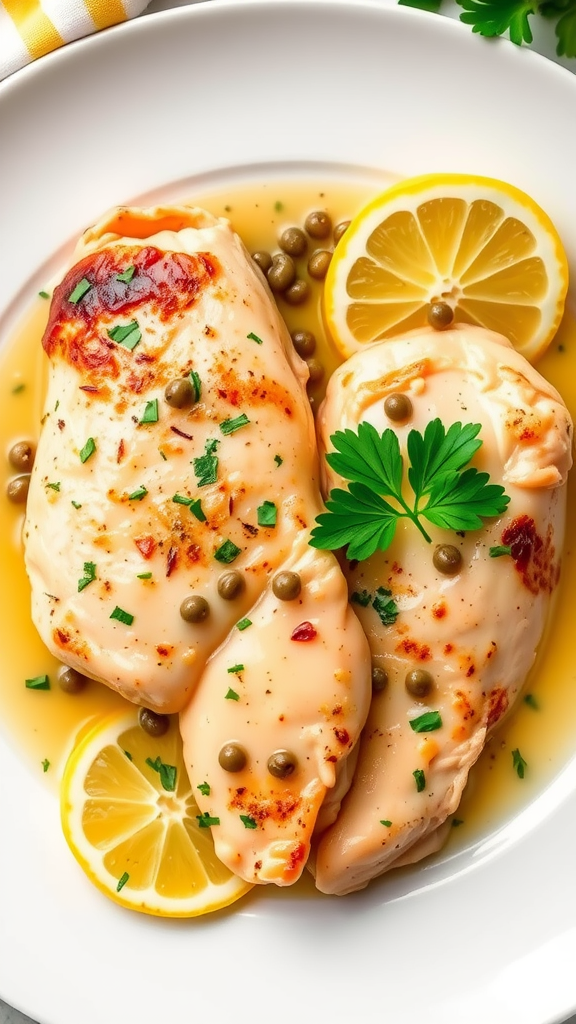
(31, 28)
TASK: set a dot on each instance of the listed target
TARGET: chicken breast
(176, 475)
(474, 631)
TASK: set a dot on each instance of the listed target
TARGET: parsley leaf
(495, 17)
(445, 493)
(267, 514)
(422, 5)
(204, 788)
(167, 772)
(428, 722)
(230, 426)
(206, 466)
(248, 821)
(385, 606)
(88, 577)
(206, 820)
(419, 779)
(518, 763)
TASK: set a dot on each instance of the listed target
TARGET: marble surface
(544, 43)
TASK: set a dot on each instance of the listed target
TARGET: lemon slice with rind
(478, 244)
(131, 820)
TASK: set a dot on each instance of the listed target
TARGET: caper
(179, 393)
(419, 682)
(318, 224)
(287, 585)
(447, 559)
(379, 679)
(231, 584)
(318, 264)
(194, 608)
(340, 229)
(21, 456)
(440, 315)
(293, 241)
(17, 489)
(153, 723)
(315, 371)
(232, 757)
(297, 293)
(282, 273)
(281, 764)
(263, 259)
(70, 680)
(304, 342)
(398, 407)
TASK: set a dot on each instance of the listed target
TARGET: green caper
(287, 585)
(440, 315)
(282, 273)
(21, 456)
(318, 224)
(263, 259)
(379, 679)
(398, 407)
(304, 342)
(232, 757)
(447, 559)
(293, 241)
(231, 584)
(281, 764)
(194, 608)
(153, 723)
(318, 264)
(315, 371)
(297, 293)
(179, 393)
(69, 680)
(340, 229)
(17, 489)
(419, 682)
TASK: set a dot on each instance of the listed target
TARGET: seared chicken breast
(453, 660)
(175, 477)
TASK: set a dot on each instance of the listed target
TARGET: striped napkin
(31, 28)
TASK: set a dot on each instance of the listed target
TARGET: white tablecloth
(544, 43)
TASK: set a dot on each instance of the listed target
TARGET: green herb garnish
(361, 597)
(38, 683)
(196, 384)
(231, 694)
(518, 763)
(231, 425)
(206, 821)
(204, 788)
(206, 466)
(197, 510)
(227, 552)
(126, 275)
(267, 514)
(457, 821)
(247, 821)
(278, 460)
(144, 576)
(121, 616)
(79, 291)
(88, 450)
(236, 669)
(76, 504)
(454, 500)
(88, 577)
(18, 388)
(243, 624)
(385, 822)
(45, 764)
(278, 206)
(44, 295)
(122, 881)
(500, 549)
(138, 494)
(254, 337)
(420, 779)
(385, 607)
(167, 772)
(150, 414)
(54, 487)
(531, 701)
(427, 722)
(127, 335)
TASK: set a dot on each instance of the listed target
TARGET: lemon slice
(478, 244)
(130, 819)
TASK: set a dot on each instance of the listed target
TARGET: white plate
(205, 92)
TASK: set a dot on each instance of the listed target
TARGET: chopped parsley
(420, 779)
(144, 576)
(278, 206)
(196, 384)
(518, 763)
(267, 514)
(229, 426)
(278, 460)
(206, 820)
(531, 701)
(457, 821)
(88, 450)
(163, 455)
(167, 772)
(128, 755)
(121, 616)
(150, 414)
(235, 669)
(500, 549)
(231, 694)
(227, 552)
(197, 510)
(247, 821)
(79, 291)
(361, 597)
(38, 683)
(122, 881)
(385, 822)
(138, 494)
(427, 722)
(204, 788)
(127, 335)
(206, 466)
(88, 577)
(254, 337)
(45, 764)
(243, 624)
(181, 499)
(385, 607)
(76, 504)
(18, 388)
(126, 275)
(54, 487)
(44, 295)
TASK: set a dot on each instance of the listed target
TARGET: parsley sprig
(444, 493)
